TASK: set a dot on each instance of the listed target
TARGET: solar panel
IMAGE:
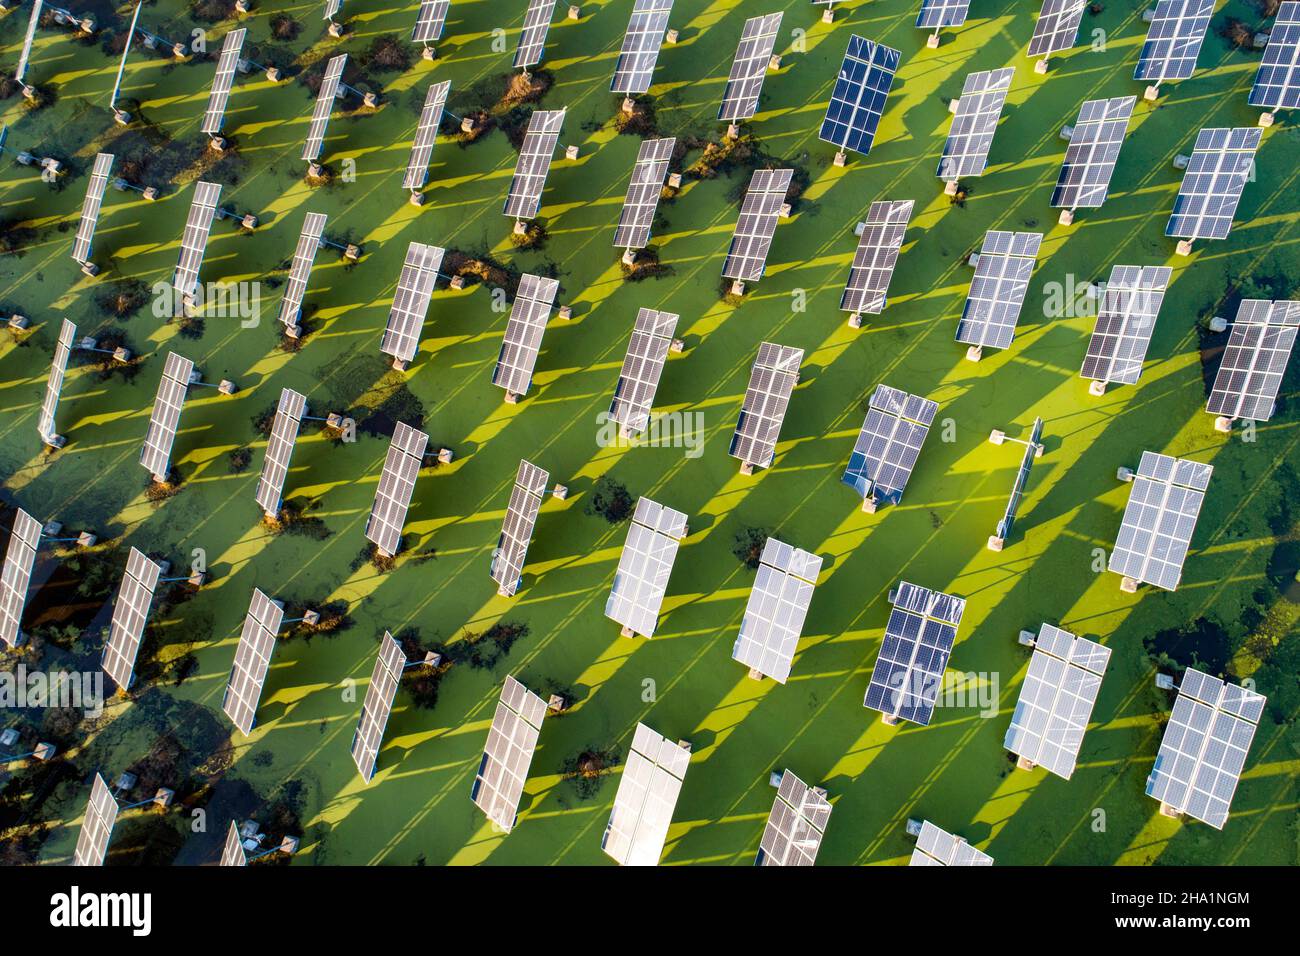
(517, 528)
(914, 653)
(796, 825)
(641, 42)
(279, 449)
(378, 705)
(1006, 261)
(748, 69)
(54, 386)
(222, 81)
(525, 196)
(130, 614)
(332, 7)
(876, 256)
(1277, 81)
(1221, 164)
(532, 41)
(1056, 700)
(1204, 748)
(233, 853)
(430, 21)
(417, 168)
(195, 238)
(936, 847)
(90, 207)
(512, 740)
(20, 558)
(936, 14)
(966, 150)
(23, 58)
(1156, 532)
(1130, 304)
(858, 100)
(121, 63)
(170, 398)
(638, 379)
(252, 660)
(411, 301)
(759, 211)
(1250, 373)
(304, 257)
(777, 607)
(320, 114)
(1174, 40)
(889, 444)
(647, 794)
(1033, 448)
(641, 580)
(1090, 158)
(524, 331)
(771, 381)
(396, 485)
(643, 191)
(1057, 26)
(97, 827)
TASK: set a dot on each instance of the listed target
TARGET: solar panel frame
(647, 794)
(1277, 80)
(997, 291)
(1254, 362)
(426, 135)
(20, 74)
(858, 100)
(889, 443)
(937, 14)
(304, 257)
(1220, 165)
(524, 331)
(430, 21)
(168, 402)
(777, 609)
(1084, 180)
(1057, 27)
(643, 366)
(511, 743)
(759, 212)
(232, 854)
(130, 615)
(324, 106)
(749, 67)
(396, 484)
(332, 7)
(795, 826)
(377, 707)
(636, 218)
(222, 81)
(97, 827)
(126, 51)
(937, 847)
(772, 380)
(511, 552)
(1174, 40)
(974, 124)
(644, 566)
(279, 449)
(54, 384)
(252, 661)
(532, 38)
(876, 256)
(1032, 450)
(1130, 305)
(194, 240)
(641, 44)
(913, 656)
(82, 243)
(410, 306)
(534, 164)
(1155, 534)
(16, 576)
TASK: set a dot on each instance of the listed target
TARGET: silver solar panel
(279, 449)
(641, 580)
(643, 191)
(170, 398)
(532, 39)
(396, 485)
(222, 81)
(1221, 164)
(430, 21)
(54, 385)
(90, 207)
(20, 558)
(937, 847)
(252, 661)
(232, 854)
(1277, 81)
(378, 705)
(97, 827)
(647, 794)
(304, 257)
(1006, 261)
(1163, 504)
(796, 825)
(525, 196)
(1130, 304)
(641, 43)
(1056, 700)
(759, 212)
(1204, 748)
(858, 100)
(771, 383)
(876, 256)
(332, 7)
(1032, 450)
(511, 743)
(21, 72)
(524, 331)
(643, 365)
(1057, 26)
(942, 13)
(426, 133)
(411, 301)
(130, 614)
(320, 114)
(777, 607)
(1259, 347)
(889, 444)
(194, 240)
(748, 69)
(126, 51)
(1174, 40)
(517, 528)
(1094, 148)
(918, 640)
(966, 150)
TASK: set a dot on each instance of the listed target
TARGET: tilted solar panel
(54, 385)
(1254, 362)
(889, 444)
(777, 606)
(24, 57)
(644, 566)
(430, 21)
(1094, 148)
(1130, 304)
(643, 365)
(130, 614)
(858, 100)
(937, 847)
(759, 211)
(20, 558)
(232, 854)
(304, 257)
(252, 660)
(748, 69)
(647, 794)
(1006, 261)
(966, 150)
(97, 827)
(875, 257)
(279, 449)
(534, 164)
(796, 825)
(643, 191)
(126, 51)
(426, 133)
(524, 331)
(378, 705)
(222, 81)
(771, 383)
(512, 741)
(396, 485)
(332, 7)
(320, 114)
(1032, 450)
(641, 43)
(170, 398)
(1163, 504)
(1174, 40)
(90, 207)
(194, 240)
(936, 14)
(1277, 81)
(1057, 26)
(517, 528)
(532, 39)
(918, 640)
(1220, 166)
(411, 301)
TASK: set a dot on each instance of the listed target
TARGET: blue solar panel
(859, 97)
(1277, 83)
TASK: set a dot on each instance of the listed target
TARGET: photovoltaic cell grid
(1174, 40)
(130, 613)
(1057, 26)
(771, 383)
(532, 39)
(1094, 148)
(1221, 164)
(195, 238)
(876, 256)
(320, 114)
(1204, 748)
(252, 660)
(304, 257)
(1250, 373)
(641, 43)
(411, 301)
(517, 528)
(396, 485)
(643, 365)
(647, 794)
(753, 54)
(166, 415)
(54, 386)
(1056, 700)
(430, 21)
(90, 207)
(378, 705)
(20, 558)
(222, 81)
(1127, 316)
(1163, 504)
(889, 444)
(942, 13)
(936, 847)
(914, 653)
(747, 255)
(525, 196)
(1006, 261)
(644, 566)
(1022, 478)
(279, 449)
(643, 191)
(966, 150)
(796, 825)
(512, 740)
(233, 853)
(1277, 82)
(417, 168)
(524, 331)
(858, 100)
(97, 827)
(777, 607)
